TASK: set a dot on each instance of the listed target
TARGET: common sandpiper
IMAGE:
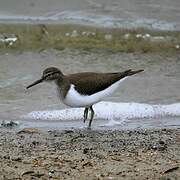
(84, 89)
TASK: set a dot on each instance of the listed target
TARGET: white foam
(110, 111)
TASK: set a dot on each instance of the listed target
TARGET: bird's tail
(130, 72)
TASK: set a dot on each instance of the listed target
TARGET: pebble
(29, 131)
(85, 150)
(16, 159)
(9, 123)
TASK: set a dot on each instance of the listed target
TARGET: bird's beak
(34, 83)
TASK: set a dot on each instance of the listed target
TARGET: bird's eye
(49, 75)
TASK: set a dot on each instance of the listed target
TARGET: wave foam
(110, 111)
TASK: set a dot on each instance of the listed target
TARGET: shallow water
(159, 14)
(159, 84)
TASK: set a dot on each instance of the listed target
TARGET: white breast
(74, 99)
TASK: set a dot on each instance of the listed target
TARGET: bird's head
(49, 74)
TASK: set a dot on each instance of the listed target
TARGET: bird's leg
(85, 114)
(92, 116)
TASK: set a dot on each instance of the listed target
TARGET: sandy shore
(85, 154)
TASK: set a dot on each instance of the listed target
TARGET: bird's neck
(63, 85)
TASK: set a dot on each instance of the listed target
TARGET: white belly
(74, 99)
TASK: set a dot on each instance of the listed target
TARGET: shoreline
(98, 124)
(78, 154)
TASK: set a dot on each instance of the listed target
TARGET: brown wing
(90, 83)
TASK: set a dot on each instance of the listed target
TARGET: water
(159, 85)
(111, 115)
(161, 14)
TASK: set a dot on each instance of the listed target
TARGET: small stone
(88, 163)
(16, 159)
(29, 131)
(110, 177)
(27, 172)
(154, 147)
(26, 161)
(6, 157)
(68, 131)
(9, 123)
(85, 150)
(52, 171)
(50, 175)
(35, 142)
(38, 174)
(161, 142)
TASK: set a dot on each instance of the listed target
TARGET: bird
(84, 89)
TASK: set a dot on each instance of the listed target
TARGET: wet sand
(84, 154)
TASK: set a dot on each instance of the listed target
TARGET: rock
(9, 123)
(38, 174)
(27, 172)
(85, 150)
(88, 163)
(16, 159)
(29, 131)
(68, 131)
(33, 173)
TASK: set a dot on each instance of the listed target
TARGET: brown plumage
(89, 83)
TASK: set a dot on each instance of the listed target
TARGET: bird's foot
(85, 114)
(92, 116)
(89, 128)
